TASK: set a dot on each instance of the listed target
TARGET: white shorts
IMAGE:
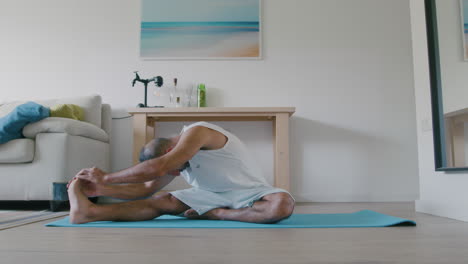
(203, 201)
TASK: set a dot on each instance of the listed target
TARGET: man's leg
(83, 211)
(270, 209)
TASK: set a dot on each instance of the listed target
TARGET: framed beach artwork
(464, 15)
(200, 29)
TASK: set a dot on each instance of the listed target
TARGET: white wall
(346, 66)
(442, 194)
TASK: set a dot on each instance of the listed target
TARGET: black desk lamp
(158, 81)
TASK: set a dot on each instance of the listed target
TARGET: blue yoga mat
(364, 218)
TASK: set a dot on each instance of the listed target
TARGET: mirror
(447, 33)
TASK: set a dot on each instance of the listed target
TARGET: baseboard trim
(314, 197)
(454, 210)
(319, 198)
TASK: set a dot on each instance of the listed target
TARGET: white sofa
(37, 167)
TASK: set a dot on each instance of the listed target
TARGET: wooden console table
(144, 122)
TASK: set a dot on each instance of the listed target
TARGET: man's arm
(132, 191)
(189, 144)
(125, 191)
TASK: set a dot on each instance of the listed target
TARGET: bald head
(155, 148)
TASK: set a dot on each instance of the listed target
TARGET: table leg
(140, 123)
(449, 147)
(150, 128)
(281, 150)
(458, 133)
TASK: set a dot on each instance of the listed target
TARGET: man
(227, 183)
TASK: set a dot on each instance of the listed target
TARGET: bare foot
(90, 189)
(80, 207)
(210, 215)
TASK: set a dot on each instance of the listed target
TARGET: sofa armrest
(65, 125)
(106, 119)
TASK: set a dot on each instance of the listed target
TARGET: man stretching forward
(226, 183)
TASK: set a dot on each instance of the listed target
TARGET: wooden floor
(434, 240)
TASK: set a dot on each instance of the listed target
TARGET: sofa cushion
(67, 111)
(12, 124)
(91, 106)
(65, 125)
(17, 151)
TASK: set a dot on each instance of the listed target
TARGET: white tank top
(229, 168)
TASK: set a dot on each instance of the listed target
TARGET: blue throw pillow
(11, 125)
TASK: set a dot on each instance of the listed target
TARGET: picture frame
(464, 27)
(201, 30)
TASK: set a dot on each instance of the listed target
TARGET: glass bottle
(188, 96)
(158, 94)
(162, 96)
(174, 95)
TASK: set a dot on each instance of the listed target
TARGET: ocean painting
(200, 29)
(464, 7)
